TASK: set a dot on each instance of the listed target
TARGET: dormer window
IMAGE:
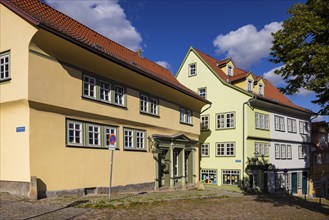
(230, 70)
(249, 85)
(260, 89)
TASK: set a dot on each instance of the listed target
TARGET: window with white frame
(303, 127)
(74, 133)
(209, 176)
(204, 120)
(144, 101)
(202, 92)
(260, 89)
(140, 139)
(277, 151)
(87, 134)
(279, 123)
(299, 180)
(105, 90)
(225, 120)
(230, 70)
(192, 69)
(4, 67)
(89, 86)
(205, 150)
(134, 139)
(302, 152)
(261, 121)
(185, 116)
(225, 149)
(230, 177)
(289, 153)
(280, 180)
(154, 106)
(261, 149)
(250, 85)
(148, 104)
(118, 95)
(291, 124)
(93, 135)
(283, 153)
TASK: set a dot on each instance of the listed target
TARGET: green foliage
(303, 46)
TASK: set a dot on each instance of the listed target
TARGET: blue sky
(165, 30)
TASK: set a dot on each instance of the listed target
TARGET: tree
(302, 45)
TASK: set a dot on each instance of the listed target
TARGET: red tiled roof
(42, 15)
(271, 93)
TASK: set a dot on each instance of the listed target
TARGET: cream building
(65, 91)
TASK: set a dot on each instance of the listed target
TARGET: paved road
(212, 203)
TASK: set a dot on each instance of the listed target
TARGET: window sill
(5, 80)
(262, 129)
(280, 130)
(88, 147)
(225, 155)
(104, 102)
(185, 123)
(219, 129)
(134, 149)
(149, 114)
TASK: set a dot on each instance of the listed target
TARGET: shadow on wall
(42, 189)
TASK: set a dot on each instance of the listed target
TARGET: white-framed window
(249, 85)
(277, 151)
(292, 125)
(175, 162)
(283, 153)
(89, 86)
(302, 152)
(261, 149)
(225, 149)
(140, 139)
(279, 123)
(261, 121)
(154, 106)
(88, 134)
(134, 139)
(289, 152)
(185, 116)
(230, 177)
(303, 127)
(192, 69)
(230, 70)
(260, 89)
(119, 95)
(105, 90)
(108, 132)
(94, 134)
(204, 120)
(74, 132)
(4, 67)
(144, 105)
(202, 92)
(128, 138)
(225, 120)
(280, 180)
(209, 176)
(204, 150)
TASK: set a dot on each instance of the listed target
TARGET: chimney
(139, 53)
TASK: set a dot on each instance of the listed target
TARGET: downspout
(254, 98)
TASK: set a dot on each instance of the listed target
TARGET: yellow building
(238, 134)
(65, 90)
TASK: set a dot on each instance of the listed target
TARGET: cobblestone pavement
(212, 203)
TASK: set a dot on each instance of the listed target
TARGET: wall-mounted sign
(237, 161)
(20, 129)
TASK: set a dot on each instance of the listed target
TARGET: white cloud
(246, 45)
(275, 79)
(164, 64)
(304, 92)
(106, 17)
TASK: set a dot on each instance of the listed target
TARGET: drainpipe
(254, 98)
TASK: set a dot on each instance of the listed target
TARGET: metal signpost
(112, 140)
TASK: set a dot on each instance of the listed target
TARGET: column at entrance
(171, 170)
